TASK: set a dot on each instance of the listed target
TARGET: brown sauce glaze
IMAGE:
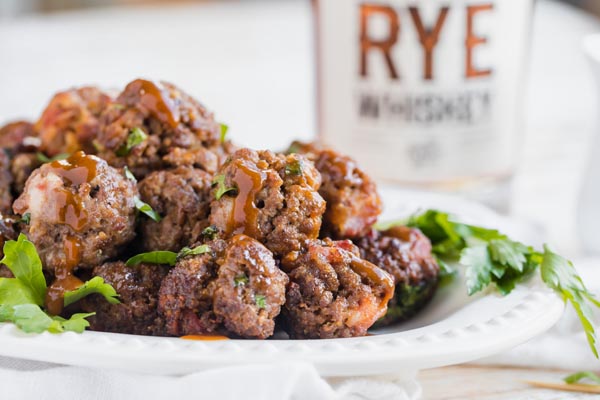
(204, 337)
(376, 275)
(249, 181)
(65, 280)
(156, 99)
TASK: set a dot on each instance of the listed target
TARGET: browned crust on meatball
(353, 203)
(235, 290)
(180, 130)
(18, 136)
(274, 199)
(8, 231)
(138, 288)
(405, 253)
(182, 198)
(6, 181)
(96, 216)
(70, 121)
(333, 292)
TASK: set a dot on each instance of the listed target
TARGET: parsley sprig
(491, 257)
(22, 297)
(166, 257)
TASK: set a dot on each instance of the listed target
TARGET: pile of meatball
(289, 237)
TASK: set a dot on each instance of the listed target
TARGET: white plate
(454, 328)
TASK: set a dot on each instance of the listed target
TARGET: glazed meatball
(177, 130)
(137, 287)
(6, 180)
(81, 210)
(182, 197)
(272, 198)
(405, 253)
(353, 203)
(22, 166)
(235, 289)
(18, 136)
(332, 292)
(70, 121)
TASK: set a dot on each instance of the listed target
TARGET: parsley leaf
(135, 137)
(261, 301)
(240, 280)
(491, 257)
(224, 129)
(579, 376)
(165, 257)
(129, 175)
(210, 232)
(294, 168)
(94, 285)
(145, 208)
(45, 159)
(219, 182)
(22, 259)
(26, 218)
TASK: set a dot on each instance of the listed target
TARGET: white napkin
(27, 380)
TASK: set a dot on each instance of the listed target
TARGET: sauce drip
(155, 97)
(249, 181)
(377, 276)
(74, 171)
(205, 337)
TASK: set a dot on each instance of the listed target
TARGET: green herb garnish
(94, 285)
(492, 257)
(210, 232)
(224, 129)
(22, 297)
(579, 376)
(129, 175)
(45, 159)
(240, 280)
(145, 208)
(294, 168)
(135, 137)
(261, 301)
(166, 257)
(219, 182)
(26, 218)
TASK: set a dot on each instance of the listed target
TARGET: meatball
(353, 203)
(6, 180)
(405, 253)
(332, 292)
(18, 136)
(272, 198)
(137, 287)
(70, 121)
(235, 289)
(182, 197)
(22, 166)
(173, 129)
(81, 210)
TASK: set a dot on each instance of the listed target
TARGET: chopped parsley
(129, 175)
(261, 301)
(294, 168)
(219, 183)
(582, 375)
(240, 280)
(210, 232)
(135, 137)
(26, 218)
(165, 257)
(45, 159)
(224, 129)
(145, 208)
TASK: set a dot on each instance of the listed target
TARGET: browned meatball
(353, 203)
(236, 289)
(333, 292)
(179, 130)
(405, 253)
(22, 166)
(272, 198)
(182, 197)
(137, 287)
(6, 181)
(18, 136)
(81, 210)
(70, 121)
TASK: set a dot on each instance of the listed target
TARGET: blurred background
(253, 63)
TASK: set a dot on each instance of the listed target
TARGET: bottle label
(423, 91)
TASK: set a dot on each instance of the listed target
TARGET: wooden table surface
(466, 382)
